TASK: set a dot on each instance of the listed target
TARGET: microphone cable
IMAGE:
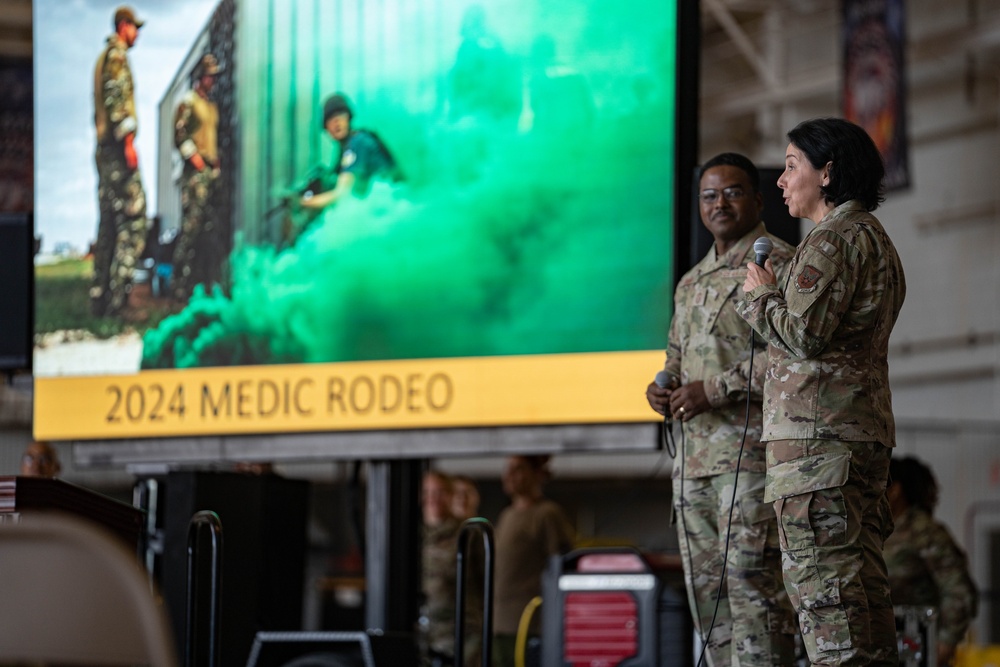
(729, 527)
(667, 443)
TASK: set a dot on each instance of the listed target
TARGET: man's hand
(131, 157)
(658, 397)
(689, 400)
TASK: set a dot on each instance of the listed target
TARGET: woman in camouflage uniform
(828, 419)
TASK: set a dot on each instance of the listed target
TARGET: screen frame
(639, 434)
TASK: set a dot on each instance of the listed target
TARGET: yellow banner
(426, 393)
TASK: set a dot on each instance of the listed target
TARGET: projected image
(446, 179)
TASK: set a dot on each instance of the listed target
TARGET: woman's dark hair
(735, 160)
(856, 170)
(917, 482)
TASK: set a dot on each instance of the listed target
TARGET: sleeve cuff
(715, 392)
(187, 149)
(125, 128)
(759, 291)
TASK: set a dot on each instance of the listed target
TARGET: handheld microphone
(662, 381)
(763, 248)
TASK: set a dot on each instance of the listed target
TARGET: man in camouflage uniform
(708, 361)
(121, 232)
(828, 419)
(197, 257)
(439, 569)
(926, 567)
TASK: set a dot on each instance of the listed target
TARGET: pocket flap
(812, 473)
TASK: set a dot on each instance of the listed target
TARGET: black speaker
(17, 251)
(263, 552)
(333, 649)
(775, 216)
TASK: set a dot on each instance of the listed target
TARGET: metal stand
(485, 529)
(916, 635)
(210, 520)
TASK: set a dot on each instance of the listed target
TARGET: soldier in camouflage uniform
(440, 548)
(828, 419)
(197, 258)
(708, 360)
(926, 566)
(121, 231)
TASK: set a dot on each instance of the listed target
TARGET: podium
(20, 496)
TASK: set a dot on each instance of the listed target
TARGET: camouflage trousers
(755, 623)
(198, 255)
(833, 518)
(121, 231)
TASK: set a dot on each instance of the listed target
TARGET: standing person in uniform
(439, 580)
(121, 231)
(828, 419)
(708, 363)
(197, 257)
(363, 158)
(926, 567)
(484, 80)
(529, 531)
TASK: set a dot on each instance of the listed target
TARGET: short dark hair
(741, 162)
(916, 480)
(856, 167)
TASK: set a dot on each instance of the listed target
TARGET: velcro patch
(808, 277)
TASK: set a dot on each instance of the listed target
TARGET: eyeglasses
(732, 194)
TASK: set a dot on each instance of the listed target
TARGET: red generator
(609, 607)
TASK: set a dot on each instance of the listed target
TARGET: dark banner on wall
(16, 166)
(875, 80)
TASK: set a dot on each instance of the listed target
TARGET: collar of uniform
(850, 206)
(735, 257)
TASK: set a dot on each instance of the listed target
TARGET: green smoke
(509, 237)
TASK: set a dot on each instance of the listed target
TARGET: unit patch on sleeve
(808, 278)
